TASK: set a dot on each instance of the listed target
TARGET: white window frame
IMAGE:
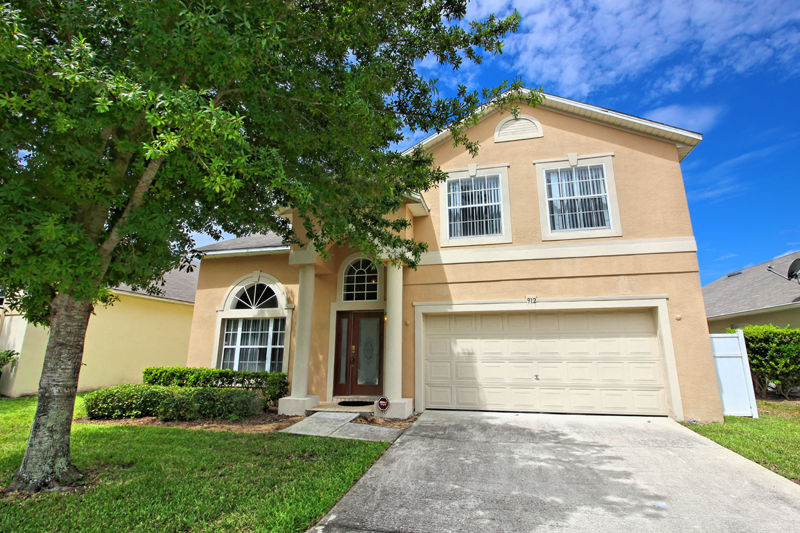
(238, 346)
(345, 264)
(606, 160)
(283, 310)
(505, 209)
(377, 280)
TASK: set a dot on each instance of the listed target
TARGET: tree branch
(136, 199)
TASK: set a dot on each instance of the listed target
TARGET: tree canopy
(127, 126)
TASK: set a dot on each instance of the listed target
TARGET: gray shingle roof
(178, 285)
(754, 288)
(257, 240)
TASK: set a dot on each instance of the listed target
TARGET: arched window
(360, 281)
(254, 327)
(255, 296)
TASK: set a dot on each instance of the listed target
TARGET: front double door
(358, 369)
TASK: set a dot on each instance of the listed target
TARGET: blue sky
(730, 70)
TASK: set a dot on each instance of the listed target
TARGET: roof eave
(755, 311)
(247, 251)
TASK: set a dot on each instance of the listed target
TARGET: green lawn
(148, 478)
(772, 440)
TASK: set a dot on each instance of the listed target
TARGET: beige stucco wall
(652, 200)
(652, 203)
(121, 340)
(781, 318)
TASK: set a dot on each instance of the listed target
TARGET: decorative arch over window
(254, 325)
(516, 129)
(255, 296)
(360, 281)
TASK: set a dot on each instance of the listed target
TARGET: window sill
(581, 234)
(475, 241)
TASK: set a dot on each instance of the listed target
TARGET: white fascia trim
(609, 113)
(659, 303)
(560, 251)
(247, 251)
(756, 311)
(151, 297)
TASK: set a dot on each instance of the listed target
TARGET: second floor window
(577, 198)
(474, 206)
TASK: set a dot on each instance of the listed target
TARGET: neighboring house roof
(752, 289)
(251, 242)
(179, 285)
(685, 140)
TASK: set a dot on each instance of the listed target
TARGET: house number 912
(530, 299)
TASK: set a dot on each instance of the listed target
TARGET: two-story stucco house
(561, 277)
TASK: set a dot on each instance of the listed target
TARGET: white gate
(733, 374)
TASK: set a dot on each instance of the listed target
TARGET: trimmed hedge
(170, 403)
(125, 401)
(774, 355)
(274, 385)
(191, 403)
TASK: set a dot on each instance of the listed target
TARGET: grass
(772, 441)
(148, 478)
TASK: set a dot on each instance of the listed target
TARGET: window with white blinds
(253, 344)
(577, 198)
(474, 206)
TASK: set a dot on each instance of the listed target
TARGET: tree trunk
(47, 462)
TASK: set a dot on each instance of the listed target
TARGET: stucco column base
(400, 408)
(297, 405)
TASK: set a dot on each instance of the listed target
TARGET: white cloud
(726, 257)
(691, 117)
(576, 47)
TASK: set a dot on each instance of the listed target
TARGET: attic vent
(733, 274)
(515, 129)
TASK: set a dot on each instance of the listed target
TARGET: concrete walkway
(339, 425)
(466, 471)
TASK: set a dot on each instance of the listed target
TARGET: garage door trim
(659, 303)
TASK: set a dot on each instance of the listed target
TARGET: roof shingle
(257, 240)
(752, 288)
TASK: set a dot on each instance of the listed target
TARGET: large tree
(127, 126)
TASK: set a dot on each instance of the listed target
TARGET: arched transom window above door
(360, 283)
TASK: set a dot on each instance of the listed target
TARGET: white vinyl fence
(733, 374)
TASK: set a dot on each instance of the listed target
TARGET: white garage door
(577, 362)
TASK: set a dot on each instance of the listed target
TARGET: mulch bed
(263, 423)
(398, 423)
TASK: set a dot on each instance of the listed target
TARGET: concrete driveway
(505, 472)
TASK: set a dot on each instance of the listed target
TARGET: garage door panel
(582, 400)
(439, 371)
(439, 396)
(591, 362)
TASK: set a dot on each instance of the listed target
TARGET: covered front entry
(358, 368)
(576, 362)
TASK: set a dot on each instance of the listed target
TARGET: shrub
(774, 355)
(6, 356)
(125, 401)
(191, 403)
(170, 403)
(273, 385)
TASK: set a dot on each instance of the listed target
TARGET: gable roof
(685, 140)
(250, 243)
(752, 289)
(179, 285)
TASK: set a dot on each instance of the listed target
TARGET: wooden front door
(358, 369)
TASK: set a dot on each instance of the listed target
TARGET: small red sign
(383, 403)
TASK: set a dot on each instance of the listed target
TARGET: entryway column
(300, 401)
(399, 407)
